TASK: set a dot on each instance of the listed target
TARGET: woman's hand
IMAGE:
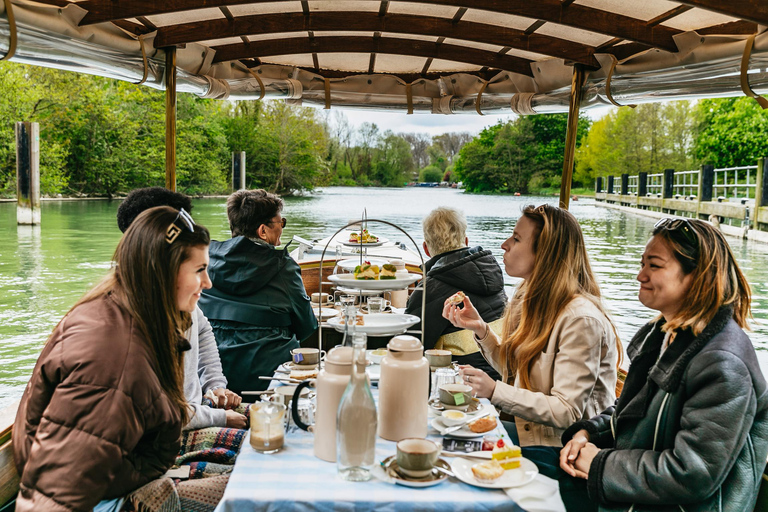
(235, 419)
(225, 399)
(571, 451)
(482, 385)
(584, 460)
(466, 317)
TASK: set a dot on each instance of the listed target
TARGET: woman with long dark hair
(103, 410)
(690, 430)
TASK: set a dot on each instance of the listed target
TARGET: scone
(457, 298)
(482, 424)
(303, 374)
(487, 472)
(507, 456)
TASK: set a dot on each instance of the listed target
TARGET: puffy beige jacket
(574, 377)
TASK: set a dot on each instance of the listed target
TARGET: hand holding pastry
(464, 318)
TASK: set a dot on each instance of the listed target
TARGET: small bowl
(376, 358)
(453, 417)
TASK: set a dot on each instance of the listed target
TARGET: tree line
(104, 137)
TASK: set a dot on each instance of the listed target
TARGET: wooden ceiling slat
(734, 27)
(677, 11)
(577, 16)
(536, 25)
(297, 46)
(131, 27)
(383, 8)
(405, 77)
(226, 12)
(144, 21)
(748, 10)
(371, 22)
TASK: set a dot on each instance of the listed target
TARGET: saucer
(438, 407)
(392, 471)
(290, 365)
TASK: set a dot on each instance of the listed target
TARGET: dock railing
(734, 195)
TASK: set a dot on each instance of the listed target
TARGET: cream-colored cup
(321, 298)
(438, 358)
(307, 356)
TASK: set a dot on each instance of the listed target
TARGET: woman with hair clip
(103, 410)
(558, 352)
(690, 431)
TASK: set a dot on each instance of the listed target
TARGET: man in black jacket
(456, 267)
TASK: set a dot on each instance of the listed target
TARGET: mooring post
(624, 184)
(610, 184)
(598, 184)
(761, 190)
(238, 170)
(642, 184)
(28, 173)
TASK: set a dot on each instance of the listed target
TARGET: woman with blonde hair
(103, 410)
(690, 430)
(558, 352)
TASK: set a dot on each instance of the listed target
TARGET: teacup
(307, 356)
(438, 358)
(456, 395)
(416, 457)
(321, 298)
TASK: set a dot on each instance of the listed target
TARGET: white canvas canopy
(438, 56)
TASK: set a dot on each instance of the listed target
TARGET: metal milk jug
(403, 390)
(331, 383)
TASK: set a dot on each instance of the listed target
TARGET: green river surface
(45, 269)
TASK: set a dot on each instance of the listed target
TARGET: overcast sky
(435, 124)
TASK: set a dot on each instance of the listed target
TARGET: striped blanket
(210, 454)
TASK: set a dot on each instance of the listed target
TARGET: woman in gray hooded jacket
(690, 430)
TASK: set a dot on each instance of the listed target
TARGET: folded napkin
(541, 495)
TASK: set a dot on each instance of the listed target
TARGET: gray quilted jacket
(690, 430)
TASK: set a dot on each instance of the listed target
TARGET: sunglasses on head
(679, 225)
(182, 220)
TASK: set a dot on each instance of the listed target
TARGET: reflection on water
(44, 270)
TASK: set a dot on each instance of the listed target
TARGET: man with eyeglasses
(258, 307)
(202, 367)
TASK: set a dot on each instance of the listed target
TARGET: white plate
(349, 264)
(463, 432)
(327, 312)
(380, 324)
(525, 474)
(347, 243)
(374, 284)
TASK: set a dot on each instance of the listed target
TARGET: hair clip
(172, 233)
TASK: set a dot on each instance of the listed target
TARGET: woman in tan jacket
(103, 410)
(558, 351)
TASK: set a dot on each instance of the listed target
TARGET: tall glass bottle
(349, 314)
(356, 421)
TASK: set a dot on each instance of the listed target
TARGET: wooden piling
(761, 194)
(28, 173)
(577, 93)
(238, 170)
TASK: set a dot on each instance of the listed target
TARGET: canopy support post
(170, 118)
(577, 93)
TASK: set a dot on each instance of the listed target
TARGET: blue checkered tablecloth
(295, 480)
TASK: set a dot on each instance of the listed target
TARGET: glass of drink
(267, 426)
(440, 377)
(377, 305)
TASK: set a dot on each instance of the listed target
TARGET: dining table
(294, 480)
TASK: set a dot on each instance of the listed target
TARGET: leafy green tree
(393, 160)
(430, 174)
(730, 132)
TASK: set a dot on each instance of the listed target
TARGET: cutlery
(441, 469)
(281, 379)
(257, 392)
(485, 454)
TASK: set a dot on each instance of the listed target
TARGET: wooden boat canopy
(430, 56)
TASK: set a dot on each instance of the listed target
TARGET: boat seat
(9, 478)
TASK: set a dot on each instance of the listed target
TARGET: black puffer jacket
(473, 271)
(691, 429)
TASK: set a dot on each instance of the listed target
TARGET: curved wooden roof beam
(372, 22)
(574, 15)
(389, 45)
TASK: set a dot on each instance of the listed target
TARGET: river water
(45, 269)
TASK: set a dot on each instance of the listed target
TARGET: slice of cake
(388, 271)
(507, 456)
(367, 271)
